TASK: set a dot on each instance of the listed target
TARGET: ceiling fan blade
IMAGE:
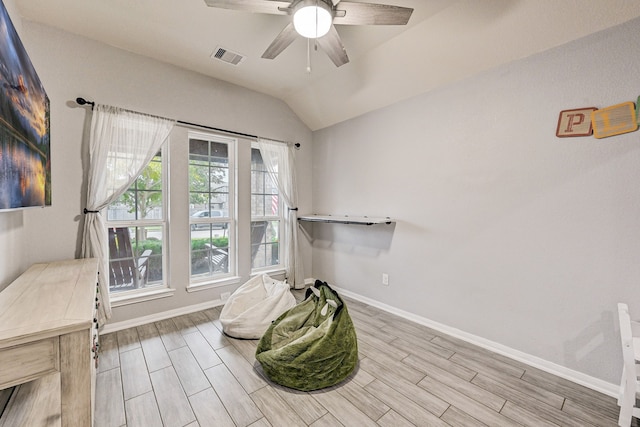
(333, 47)
(257, 6)
(281, 42)
(371, 14)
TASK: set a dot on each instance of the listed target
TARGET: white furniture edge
(580, 378)
(346, 219)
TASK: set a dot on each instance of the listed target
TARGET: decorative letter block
(614, 120)
(575, 122)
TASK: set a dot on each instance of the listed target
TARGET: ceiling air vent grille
(227, 56)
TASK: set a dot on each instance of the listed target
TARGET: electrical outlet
(385, 279)
(225, 296)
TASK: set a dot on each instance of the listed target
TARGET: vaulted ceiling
(445, 41)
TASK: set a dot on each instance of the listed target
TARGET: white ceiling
(445, 41)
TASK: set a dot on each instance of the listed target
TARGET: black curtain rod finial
(82, 101)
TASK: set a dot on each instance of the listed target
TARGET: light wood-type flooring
(184, 372)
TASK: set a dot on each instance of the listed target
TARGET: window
(136, 230)
(211, 198)
(266, 217)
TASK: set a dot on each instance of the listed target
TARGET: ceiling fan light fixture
(312, 18)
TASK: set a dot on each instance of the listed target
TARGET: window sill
(201, 286)
(280, 271)
(138, 297)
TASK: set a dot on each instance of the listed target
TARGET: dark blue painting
(25, 165)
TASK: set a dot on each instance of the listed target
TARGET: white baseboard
(125, 324)
(536, 362)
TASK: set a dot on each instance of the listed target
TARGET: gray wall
(71, 66)
(503, 230)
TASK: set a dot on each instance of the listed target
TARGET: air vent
(227, 56)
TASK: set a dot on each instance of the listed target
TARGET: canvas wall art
(25, 163)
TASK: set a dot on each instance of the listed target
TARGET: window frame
(155, 290)
(280, 267)
(213, 279)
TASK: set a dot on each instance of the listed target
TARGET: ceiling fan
(315, 19)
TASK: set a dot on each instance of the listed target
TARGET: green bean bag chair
(312, 345)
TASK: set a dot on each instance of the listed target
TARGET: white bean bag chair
(249, 311)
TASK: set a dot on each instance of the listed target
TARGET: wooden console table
(48, 333)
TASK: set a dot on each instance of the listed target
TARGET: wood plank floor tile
(109, 354)
(241, 369)
(527, 402)
(342, 409)
(474, 355)
(246, 347)
(419, 346)
(381, 346)
(190, 374)
(184, 324)
(457, 418)
(397, 324)
(396, 366)
(511, 385)
(109, 410)
(466, 404)
(202, 351)
(365, 327)
(127, 340)
(214, 337)
(304, 404)
(135, 377)
(362, 399)
(393, 419)
(570, 390)
(170, 335)
(524, 417)
(427, 362)
(404, 406)
(209, 410)
(262, 422)
(172, 402)
(588, 414)
(411, 391)
(327, 420)
(233, 396)
(489, 367)
(467, 388)
(275, 409)
(142, 411)
(361, 377)
(155, 353)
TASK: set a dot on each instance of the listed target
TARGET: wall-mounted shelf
(363, 220)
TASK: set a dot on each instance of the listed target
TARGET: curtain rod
(82, 101)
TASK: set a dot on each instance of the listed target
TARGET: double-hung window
(266, 217)
(136, 225)
(212, 206)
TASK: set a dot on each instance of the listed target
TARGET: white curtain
(280, 163)
(121, 145)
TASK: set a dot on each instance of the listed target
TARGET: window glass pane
(135, 249)
(135, 257)
(143, 199)
(265, 243)
(210, 207)
(209, 249)
(265, 206)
